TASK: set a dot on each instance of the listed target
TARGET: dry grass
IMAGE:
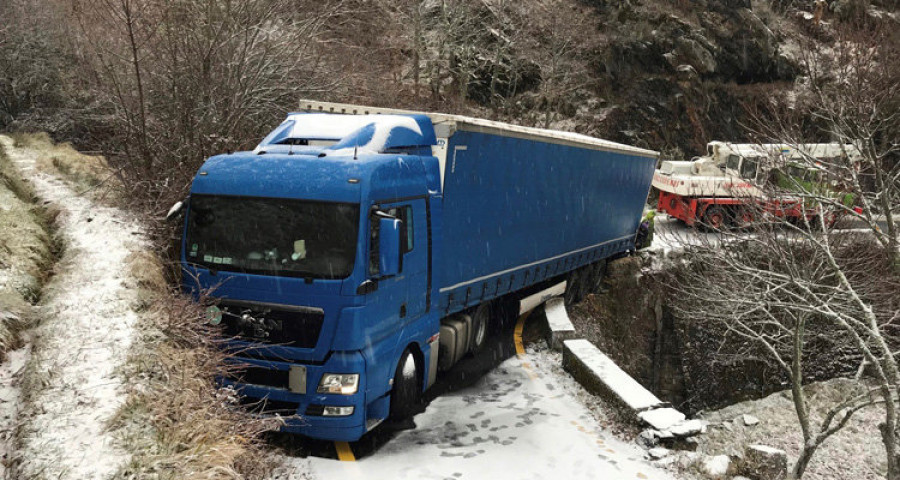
(27, 249)
(176, 421)
(87, 172)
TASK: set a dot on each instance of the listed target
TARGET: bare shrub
(189, 79)
(178, 422)
(779, 291)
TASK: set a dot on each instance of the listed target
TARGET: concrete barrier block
(601, 376)
(558, 323)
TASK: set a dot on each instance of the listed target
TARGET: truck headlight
(337, 411)
(342, 383)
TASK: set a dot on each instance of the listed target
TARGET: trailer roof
(488, 126)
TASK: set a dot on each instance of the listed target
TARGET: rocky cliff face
(690, 362)
(678, 79)
(667, 75)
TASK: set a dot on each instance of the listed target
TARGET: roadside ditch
(29, 249)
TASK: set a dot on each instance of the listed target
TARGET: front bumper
(307, 407)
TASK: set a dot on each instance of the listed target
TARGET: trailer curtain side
(517, 211)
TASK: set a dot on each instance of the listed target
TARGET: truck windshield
(748, 169)
(272, 236)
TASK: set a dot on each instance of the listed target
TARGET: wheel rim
(715, 219)
(480, 331)
(409, 367)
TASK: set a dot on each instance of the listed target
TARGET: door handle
(403, 310)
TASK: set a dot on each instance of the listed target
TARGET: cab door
(413, 276)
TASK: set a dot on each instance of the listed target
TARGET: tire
(574, 287)
(406, 394)
(715, 217)
(743, 218)
(597, 274)
(481, 319)
(587, 282)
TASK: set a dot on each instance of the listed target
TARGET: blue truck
(357, 252)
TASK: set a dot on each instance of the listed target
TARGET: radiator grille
(270, 325)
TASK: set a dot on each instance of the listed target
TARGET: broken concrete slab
(687, 428)
(662, 418)
(658, 452)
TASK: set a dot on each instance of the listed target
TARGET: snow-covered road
(522, 420)
(86, 328)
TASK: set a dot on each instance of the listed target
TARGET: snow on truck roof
(366, 114)
(348, 133)
(814, 150)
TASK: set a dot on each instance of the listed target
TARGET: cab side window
(405, 215)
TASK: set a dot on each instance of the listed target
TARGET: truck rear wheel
(743, 217)
(406, 393)
(575, 283)
(480, 320)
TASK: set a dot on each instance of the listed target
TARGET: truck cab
(317, 247)
(734, 183)
(357, 251)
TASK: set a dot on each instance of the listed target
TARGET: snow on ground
(855, 452)
(522, 420)
(671, 235)
(10, 395)
(87, 326)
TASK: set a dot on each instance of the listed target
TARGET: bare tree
(776, 288)
(32, 60)
(190, 78)
(779, 286)
(850, 97)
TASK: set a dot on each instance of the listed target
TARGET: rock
(687, 72)
(716, 467)
(658, 453)
(749, 420)
(696, 55)
(764, 463)
(688, 444)
(647, 439)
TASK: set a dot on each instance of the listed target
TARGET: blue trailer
(357, 252)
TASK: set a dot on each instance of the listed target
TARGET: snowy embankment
(71, 389)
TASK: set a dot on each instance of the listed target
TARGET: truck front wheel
(715, 217)
(406, 393)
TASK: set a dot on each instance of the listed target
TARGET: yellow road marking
(517, 336)
(520, 347)
(345, 454)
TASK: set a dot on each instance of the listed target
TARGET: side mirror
(388, 246)
(175, 211)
